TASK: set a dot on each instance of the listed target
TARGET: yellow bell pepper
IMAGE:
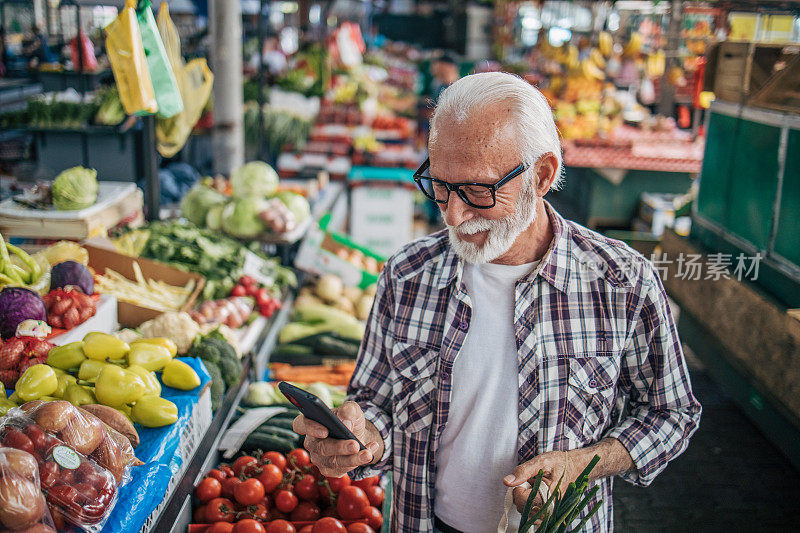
(78, 395)
(37, 381)
(90, 369)
(154, 411)
(5, 405)
(164, 342)
(149, 356)
(116, 387)
(150, 380)
(64, 380)
(67, 356)
(101, 346)
(179, 375)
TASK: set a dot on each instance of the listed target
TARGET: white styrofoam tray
(108, 193)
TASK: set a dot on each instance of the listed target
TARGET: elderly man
(511, 342)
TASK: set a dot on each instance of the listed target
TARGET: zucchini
(291, 350)
(264, 442)
(283, 433)
(333, 345)
(285, 423)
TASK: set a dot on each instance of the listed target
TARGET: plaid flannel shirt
(598, 352)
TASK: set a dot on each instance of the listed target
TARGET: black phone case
(314, 409)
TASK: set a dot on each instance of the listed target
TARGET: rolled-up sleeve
(663, 412)
(371, 385)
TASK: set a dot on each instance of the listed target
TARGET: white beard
(502, 233)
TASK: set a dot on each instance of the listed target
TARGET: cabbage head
(255, 179)
(198, 202)
(240, 218)
(296, 203)
(75, 189)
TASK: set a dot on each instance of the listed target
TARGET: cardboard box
(131, 315)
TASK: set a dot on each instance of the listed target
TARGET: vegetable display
(222, 363)
(75, 189)
(198, 202)
(144, 292)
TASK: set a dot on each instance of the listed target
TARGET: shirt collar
(554, 268)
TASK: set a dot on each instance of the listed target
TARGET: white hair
(533, 120)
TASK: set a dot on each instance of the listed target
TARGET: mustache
(475, 225)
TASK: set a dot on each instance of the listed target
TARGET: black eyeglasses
(477, 195)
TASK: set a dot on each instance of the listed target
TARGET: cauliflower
(127, 335)
(174, 325)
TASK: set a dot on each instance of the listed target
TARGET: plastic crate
(194, 432)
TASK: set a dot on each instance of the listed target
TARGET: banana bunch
(597, 58)
(634, 45)
(591, 71)
(605, 43)
(655, 64)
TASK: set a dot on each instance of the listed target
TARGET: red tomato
(307, 529)
(220, 527)
(240, 463)
(306, 489)
(220, 510)
(305, 512)
(266, 311)
(352, 503)
(276, 458)
(228, 485)
(258, 511)
(48, 474)
(280, 526)
(228, 471)
(208, 489)
(367, 482)
(247, 281)
(328, 525)
(219, 475)
(285, 501)
(358, 527)
(67, 477)
(58, 517)
(37, 436)
(249, 492)
(65, 497)
(270, 477)
(375, 496)
(19, 440)
(262, 296)
(374, 518)
(248, 525)
(338, 483)
(87, 493)
(238, 290)
(199, 515)
(298, 458)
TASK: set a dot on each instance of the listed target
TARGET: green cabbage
(214, 217)
(75, 189)
(198, 202)
(240, 218)
(296, 203)
(255, 179)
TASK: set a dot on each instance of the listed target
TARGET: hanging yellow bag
(195, 82)
(168, 96)
(128, 62)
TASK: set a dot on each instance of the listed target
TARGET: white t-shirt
(478, 446)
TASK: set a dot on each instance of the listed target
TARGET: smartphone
(315, 409)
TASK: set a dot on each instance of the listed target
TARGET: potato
(115, 420)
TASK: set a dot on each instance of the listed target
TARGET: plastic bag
(128, 62)
(195, 82)
(22, 504)
(87, 61)
(168, 95)
(83, 461)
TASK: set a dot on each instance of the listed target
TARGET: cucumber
(291, 350)
(264, 442)
(290, 413)
(283, 433)
(333, 345)
(285, 423)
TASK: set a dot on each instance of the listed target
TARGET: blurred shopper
(39, 50)
(512, 341)
(445, 73)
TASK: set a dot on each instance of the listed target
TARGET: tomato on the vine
(352, 503)
(228, 486)
(280, 526)
(217, 474)
(228, 471)
(270, 477)
(298, 458)
(375, 495)
(238, 290)
(220, 527)
(247, 281)
(358, 527)
(374, 518)
(276, 458)
(220, 510)
(262, 296)
(208, 489)
(306, 489)
(328, 525)
(249, 492)
(305, 512)
(285, 501)
(258, 511)
(240, 463)
(248, 525)
(338, 483)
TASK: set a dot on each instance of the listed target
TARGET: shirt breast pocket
(591, 394)
(414, 386)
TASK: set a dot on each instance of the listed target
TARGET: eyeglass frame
(456, 187)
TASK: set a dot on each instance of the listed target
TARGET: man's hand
(335, 457)
(614, 459)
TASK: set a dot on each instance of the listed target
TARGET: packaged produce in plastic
(22, 504)
(81, 461)
(233, 311)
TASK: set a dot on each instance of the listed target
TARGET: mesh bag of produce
(22, 504)
(81, 461)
